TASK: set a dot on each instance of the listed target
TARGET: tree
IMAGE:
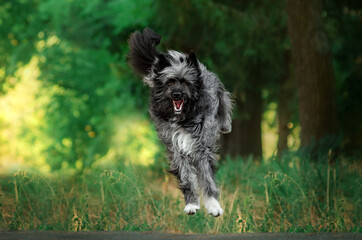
(313, 70)
(343, 25)
(285, 95)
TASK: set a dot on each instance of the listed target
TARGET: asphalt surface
(48, 235)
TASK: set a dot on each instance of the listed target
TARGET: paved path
(48, 235)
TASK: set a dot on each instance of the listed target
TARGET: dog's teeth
(177, 106)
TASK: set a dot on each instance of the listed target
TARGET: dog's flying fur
(190, 108)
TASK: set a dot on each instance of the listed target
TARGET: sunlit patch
(14, 42)
(67, 142)
(91, 134)
(135, 140)
(22, 112)
(269, 128)
(50, 41)
(269, 131)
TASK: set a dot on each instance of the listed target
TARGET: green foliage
(90, 87)
(77, 109)
(80, 47)
(18, 29)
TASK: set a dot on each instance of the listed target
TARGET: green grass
(271, 196)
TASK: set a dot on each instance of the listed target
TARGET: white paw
(191, 209)
(213, 207)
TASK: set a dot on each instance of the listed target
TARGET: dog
(190, 109)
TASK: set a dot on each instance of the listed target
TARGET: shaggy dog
(190, 108)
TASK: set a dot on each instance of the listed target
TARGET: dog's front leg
(186, 175)
(206, 164)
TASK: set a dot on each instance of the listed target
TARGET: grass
(289, 195)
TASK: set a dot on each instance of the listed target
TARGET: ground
(37, 235)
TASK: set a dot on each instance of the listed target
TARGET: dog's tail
(143, 51)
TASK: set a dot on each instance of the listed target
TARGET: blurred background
(72, 113)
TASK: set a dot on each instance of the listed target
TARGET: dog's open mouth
(177, 105)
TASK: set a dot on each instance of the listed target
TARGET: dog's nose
(176, 95)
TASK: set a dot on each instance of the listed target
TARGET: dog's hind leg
(186, 175)
(206, 177)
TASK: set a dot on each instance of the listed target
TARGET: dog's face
(175, 84)
(174, 77)
(178, 92)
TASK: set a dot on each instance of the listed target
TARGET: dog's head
(174, 77)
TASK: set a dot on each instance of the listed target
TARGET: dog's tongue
(178, 104)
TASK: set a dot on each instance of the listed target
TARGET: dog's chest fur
(181, 139)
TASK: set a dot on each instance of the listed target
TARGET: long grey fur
(179, 81)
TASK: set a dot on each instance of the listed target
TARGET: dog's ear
(143, 52)
(162, 63)
(192, 60)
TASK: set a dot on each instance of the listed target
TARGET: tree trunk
(285, 94)
(313, 70)
(245, 138)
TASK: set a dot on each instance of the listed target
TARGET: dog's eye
(171, 82)
(185, 83)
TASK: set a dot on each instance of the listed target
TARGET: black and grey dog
(190, 108)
